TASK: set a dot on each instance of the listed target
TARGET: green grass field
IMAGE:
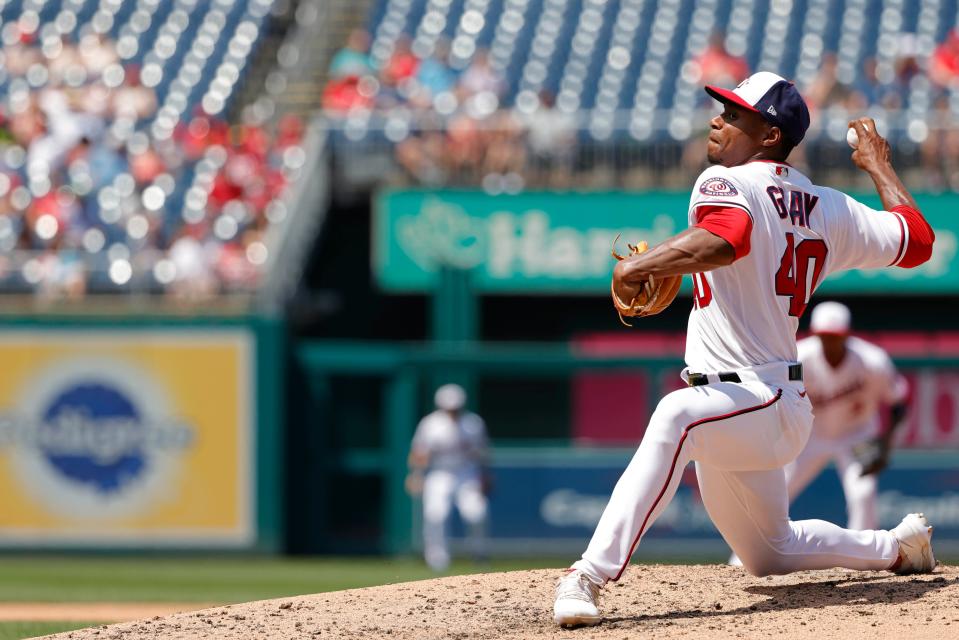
(27, 629)
(218, 579)
(196, 579)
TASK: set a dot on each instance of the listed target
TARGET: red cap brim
(838, 334)
(725, 95)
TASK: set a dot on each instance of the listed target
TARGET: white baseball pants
(861, 492)
(441, 489)
(740, 435)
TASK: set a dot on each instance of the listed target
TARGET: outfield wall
(547, 501)
(542, 483)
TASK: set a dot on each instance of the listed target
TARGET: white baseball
(852, 138)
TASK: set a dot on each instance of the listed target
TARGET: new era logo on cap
(774, 98)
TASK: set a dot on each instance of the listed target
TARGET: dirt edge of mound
(666, 600)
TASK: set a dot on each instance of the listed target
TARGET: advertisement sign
(126, 438)
(560, 242)
(556, 497)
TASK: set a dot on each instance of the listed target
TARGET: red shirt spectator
(944, 64)
(344, 94)
(718, 66)
(402, 64)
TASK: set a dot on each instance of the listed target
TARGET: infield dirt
(661, 601)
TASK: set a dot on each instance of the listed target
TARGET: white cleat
(915, 545)
(575, 604)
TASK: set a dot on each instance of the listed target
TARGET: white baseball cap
(831, 318)
(450, 397)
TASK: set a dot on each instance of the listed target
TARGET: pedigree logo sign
(550, 242)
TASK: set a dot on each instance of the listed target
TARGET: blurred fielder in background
(448, 463)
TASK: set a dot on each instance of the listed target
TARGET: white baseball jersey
(846, 399)
(746, 314)
(452, 444)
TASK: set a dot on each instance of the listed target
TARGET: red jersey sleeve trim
(917, 237)
(903, 238)
(717, 204)
(731, 223)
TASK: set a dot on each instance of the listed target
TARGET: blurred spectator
(132, 100)
(717, 66)
(436, 81)
(505, 154)
(940, 149)
(423, 156)
(97, 52)
(550, 137)
(289, 133)
(192, 262)
(825, 90)
(868, 85)
(353, 60)
(349, 93)
(480, 77)
(906, 69)
(944, 64)
(402, 65)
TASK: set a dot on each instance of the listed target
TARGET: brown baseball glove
(655, 295)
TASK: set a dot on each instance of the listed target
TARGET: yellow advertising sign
(126, 438)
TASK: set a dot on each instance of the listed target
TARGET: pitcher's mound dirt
(650, 601)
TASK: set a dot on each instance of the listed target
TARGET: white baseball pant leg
(741, 434)
(860, 493)
(800, 472)
(472, 504)
(441, 489)
(438, 489)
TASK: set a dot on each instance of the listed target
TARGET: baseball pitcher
(761, 238)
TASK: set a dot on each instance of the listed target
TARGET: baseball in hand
(853, 138)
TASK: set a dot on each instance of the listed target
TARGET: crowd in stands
(460, 126)
(92, 199)
(465, 130)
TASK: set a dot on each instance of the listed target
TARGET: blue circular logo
(93, 434)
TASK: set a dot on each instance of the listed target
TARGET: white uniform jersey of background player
(450, 445)
(762, 237)
(846, 402)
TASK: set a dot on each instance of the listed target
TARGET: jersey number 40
(799, 271)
